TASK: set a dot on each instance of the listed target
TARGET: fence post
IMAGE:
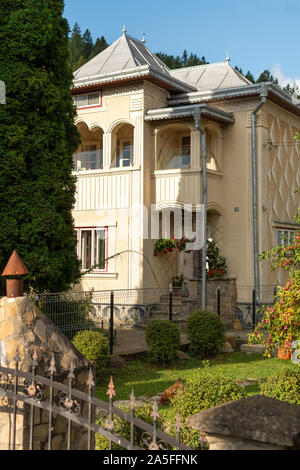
(274, 292)
(111, 324)
(253, 309)
(219, 301)
(171, 303)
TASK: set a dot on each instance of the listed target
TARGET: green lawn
(148, 380)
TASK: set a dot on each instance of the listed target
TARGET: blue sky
(258, 34)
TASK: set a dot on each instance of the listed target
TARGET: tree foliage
(82, 47)
(37, 140)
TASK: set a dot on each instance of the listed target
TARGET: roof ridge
(193, 67)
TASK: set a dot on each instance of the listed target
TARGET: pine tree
(266, 76)
(76, 48)
(37, 140)
(99, 46)
(88, 45)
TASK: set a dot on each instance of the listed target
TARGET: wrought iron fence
(127, 308)
(26, 391)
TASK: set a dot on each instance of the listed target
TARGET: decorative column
(195, 148)
(107, 150)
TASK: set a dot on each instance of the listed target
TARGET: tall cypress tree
(37, 140)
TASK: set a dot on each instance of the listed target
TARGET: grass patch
(146, 379)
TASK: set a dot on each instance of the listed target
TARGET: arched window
(123, 146)
(89, 155)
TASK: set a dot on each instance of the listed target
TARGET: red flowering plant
(216, 263)
(177, 281)
(280, 324)
(167, 245)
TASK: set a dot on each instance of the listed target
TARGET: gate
(24, 392)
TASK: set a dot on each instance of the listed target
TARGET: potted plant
(167, 245)
(216, 262)
(177, 284)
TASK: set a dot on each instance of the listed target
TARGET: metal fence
(249, 306)
(127, 308)
(25, 392)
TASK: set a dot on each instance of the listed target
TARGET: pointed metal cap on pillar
(15, 267)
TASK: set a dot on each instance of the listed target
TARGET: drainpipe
(197, 117)
(263, 98)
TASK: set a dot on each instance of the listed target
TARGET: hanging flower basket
(168, 245)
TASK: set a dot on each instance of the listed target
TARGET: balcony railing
(89, 160)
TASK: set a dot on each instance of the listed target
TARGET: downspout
(197, 117)
(263, 99)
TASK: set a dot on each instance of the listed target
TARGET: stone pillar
(253, 423)
(24, 328)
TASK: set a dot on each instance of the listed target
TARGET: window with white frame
(92, 248)
(87, 100)
(285, 236)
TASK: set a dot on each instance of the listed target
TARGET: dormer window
(87, 100)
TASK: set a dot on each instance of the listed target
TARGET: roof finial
(124, 30)
(144, 40)
(227, 58)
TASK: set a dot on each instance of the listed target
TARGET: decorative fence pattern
(23, 392)
(75, 311)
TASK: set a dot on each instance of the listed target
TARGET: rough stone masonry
(23, 326)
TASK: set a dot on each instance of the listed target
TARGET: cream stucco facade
(141, 146)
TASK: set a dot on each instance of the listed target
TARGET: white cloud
(283, 80)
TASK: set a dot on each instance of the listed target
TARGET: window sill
(100, 274)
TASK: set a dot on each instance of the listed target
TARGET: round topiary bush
(284, 385)
(197, 395)
(206, 333)
(163, 339)
(94, 346)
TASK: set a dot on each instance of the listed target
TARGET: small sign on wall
(2, 93)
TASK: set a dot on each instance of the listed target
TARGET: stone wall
(24, 328)
(228, 298)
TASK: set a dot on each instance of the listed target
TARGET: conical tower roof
(127, 58)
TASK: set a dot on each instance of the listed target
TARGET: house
(142, 128)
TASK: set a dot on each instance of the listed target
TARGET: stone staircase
(182, 307)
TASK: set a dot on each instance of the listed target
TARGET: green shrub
(94, 346)
(197, 395)
(285, 386)
(206, 333)
(163, 339)
(122, 427)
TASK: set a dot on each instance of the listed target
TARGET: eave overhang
(179, 112)
(138, 73)
(275, 94)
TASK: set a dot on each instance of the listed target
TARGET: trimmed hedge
(163, 339)
(285, 386)
(197, 395)
(206, 333)
(94, 346)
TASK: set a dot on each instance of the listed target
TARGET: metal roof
(127, 58)
(178, 112)
(211, 76)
